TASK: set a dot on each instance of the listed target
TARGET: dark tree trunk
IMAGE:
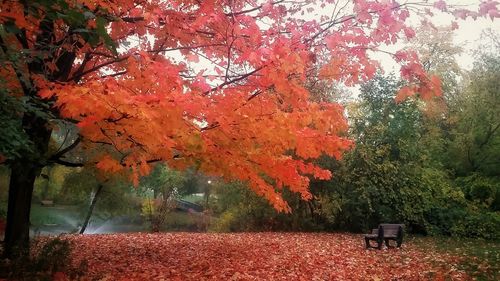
(310, 204)
(18, 213)
(24, 171)
(27, 167)
(91, 209)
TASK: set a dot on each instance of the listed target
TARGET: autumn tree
(216, 84)
(438, 52)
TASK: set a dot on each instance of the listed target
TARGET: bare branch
(66, 149)
(97, 67)
(67, 164)
(233, 80)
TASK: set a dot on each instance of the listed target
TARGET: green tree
(166, 185)
(475, 136)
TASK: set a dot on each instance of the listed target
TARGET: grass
(176, 221)
(480, 258)
(193, 198)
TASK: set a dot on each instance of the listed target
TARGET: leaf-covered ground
(255, 256)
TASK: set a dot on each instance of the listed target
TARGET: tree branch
(252, 9)
(67, 149)
(67, 164)
(186, 48)
(234, 80)
(76, 77)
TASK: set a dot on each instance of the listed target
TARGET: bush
(463, 222)
(184, 221)
(49, 260)
(444, 220)
(478, 225)
(481, 190)
(225, 223)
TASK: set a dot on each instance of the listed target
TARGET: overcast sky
(467, 35)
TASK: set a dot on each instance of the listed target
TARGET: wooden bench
(385, 232)
(47, 203)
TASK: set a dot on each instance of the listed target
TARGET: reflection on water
(72, 225)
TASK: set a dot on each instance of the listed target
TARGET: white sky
(466, 36)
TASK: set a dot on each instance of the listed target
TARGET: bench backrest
(392, 229)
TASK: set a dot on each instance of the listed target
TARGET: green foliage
(191, 183)
(116, 197)
(163, 180)
(462, 222)
(481, 190)
(182, 221)
(166, 185)
(397, 171)
(475, 132)
(378, 181)
(240, 209)
(13, 139)
(225, 222)
(50, 184)
(477, 224)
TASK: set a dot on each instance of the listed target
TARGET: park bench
(385, 232)
(47, 203)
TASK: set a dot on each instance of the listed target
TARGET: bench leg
(379, 243)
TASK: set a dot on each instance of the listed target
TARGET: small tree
(165, 185)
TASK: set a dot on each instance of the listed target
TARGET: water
(70, 224)
(69, 221)
(105, 227)
(114, 225)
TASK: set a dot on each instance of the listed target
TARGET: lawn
(479, 258)
(259, 256)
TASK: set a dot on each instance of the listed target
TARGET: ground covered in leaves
(256, 256)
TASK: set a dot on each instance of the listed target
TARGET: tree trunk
(24, 171)
(46, 176)
(91, 209)
(27, 167)
(207, 196)
(22, 178)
